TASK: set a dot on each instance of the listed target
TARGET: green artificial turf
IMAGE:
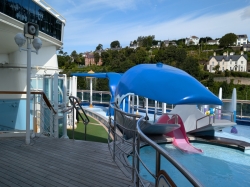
(95, 133)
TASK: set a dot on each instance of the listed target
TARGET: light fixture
(30, 31)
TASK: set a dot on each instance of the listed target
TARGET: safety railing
(75, 104)
(43, 112)
(218, 114)
(159, 151)
(125, 128)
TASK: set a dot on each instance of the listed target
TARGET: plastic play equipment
(180, 139)
(113, 78)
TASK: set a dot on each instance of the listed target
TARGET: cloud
(84, 33)
(246, 13)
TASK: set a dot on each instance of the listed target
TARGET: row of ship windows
(28, 11)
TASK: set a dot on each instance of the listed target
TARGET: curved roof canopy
(165, 84)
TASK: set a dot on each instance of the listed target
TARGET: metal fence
(125, 128)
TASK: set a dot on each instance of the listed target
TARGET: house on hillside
(192, 40)
(213, 42)
(228, 62)
(246, 47)
(168, 42)
(133, 45)
(90, 60)
(241, 39)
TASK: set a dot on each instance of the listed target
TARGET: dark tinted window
(1, 5)
(28, 11)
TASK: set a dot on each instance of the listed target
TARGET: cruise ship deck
(58, 162)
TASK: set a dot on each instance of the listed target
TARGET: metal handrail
(75, 103)
(161, 151)
(135, 152)
(201, 119)
(32, 92)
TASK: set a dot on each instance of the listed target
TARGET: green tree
(205, 39)
(105, 58)
(99, 47)
(60, 52)
(74, 54)
(115, 44)
(140, 55)
(228, 40)
(216, 68)
(96, 57)
(192, 66)
(145, 41)
(180, 56)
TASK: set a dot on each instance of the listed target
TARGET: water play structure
(167, 84)
(180, 139)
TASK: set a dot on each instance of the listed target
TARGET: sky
(93, 22)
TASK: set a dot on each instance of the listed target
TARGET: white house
(241, 39)
(228, 62)
(192, 40)
(213, 42)
(246, 47)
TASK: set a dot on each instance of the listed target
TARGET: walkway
(58, 162)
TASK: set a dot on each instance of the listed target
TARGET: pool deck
(58, 162)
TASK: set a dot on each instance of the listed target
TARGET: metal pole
(90, 98)
(27, 139)
(85, 137)
(64, 101)
(158, 164)
(73, 137)
(138, 160)
(55, 98)
(114, 134)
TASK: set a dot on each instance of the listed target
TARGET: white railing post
(55, 99)
(65, 104)
(42, 116)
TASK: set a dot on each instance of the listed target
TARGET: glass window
(32, 12)
(1, 5)
(28, 11)
(241, 62)
(8, 8)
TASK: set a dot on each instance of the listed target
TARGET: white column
(27, 138)
(137, 103)
(70, 86)
(163, 108)
(133, 104)
(74, 90)
(220, 97)
(129, 104)
(146, 105)
(55, 99)
(65, 104)
(91, 93)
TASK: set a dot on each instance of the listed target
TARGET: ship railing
(76, 107)
(218, 114)
(42, 111)
(125, 128)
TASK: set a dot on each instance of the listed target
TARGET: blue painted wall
(13, 114)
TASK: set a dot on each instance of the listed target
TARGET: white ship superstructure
(44, 65)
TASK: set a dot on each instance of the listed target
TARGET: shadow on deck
(58, 162)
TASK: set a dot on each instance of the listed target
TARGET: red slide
(180, 139)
